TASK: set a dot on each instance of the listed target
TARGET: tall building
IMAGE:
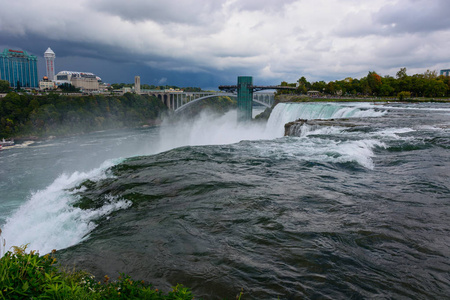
(19, 68)
(49, 56)
(137, 84)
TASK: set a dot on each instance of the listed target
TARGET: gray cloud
(267, 5)
(414, 16)
(401, 17)
(212, 41)
(160, 11)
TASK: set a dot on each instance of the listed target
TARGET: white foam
(417, 108)
(288, 112)
(48, 221)
(316, 149)
(392, 132)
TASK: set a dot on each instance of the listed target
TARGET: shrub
(404, 96)
(31, 276)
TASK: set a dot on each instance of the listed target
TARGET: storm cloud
(210, 42)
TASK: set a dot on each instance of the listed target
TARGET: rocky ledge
(295, 128)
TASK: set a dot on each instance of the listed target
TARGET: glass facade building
(245, 98)
(445, 72)
(18, 67)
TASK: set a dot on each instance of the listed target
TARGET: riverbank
(31, 117)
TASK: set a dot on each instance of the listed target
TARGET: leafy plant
(404, 95)
(31, 276)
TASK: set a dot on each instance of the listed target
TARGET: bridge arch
(185, 106)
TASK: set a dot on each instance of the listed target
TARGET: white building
(85, 81)
(49, 56)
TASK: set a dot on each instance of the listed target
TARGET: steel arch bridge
(264, 99)
(245, 92)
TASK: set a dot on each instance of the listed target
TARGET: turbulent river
(332, 213)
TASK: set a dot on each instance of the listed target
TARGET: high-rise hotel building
(49, 56)
(19, 68)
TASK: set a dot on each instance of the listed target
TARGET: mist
(211, 129)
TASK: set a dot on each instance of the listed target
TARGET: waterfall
(287, 112)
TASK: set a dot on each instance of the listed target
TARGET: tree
(365, 88)
(374, 82)
(388, 86)
(4, 86)
(69, 88)
(302, 82)
(330, 88)
(401, 73)
(404, 95)
(319, 86)
(430, 74)
(435, 88)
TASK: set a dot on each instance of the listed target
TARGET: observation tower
(49, 56)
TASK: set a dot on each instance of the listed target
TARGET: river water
(332, 213)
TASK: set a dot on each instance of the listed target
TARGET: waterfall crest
(288, 112)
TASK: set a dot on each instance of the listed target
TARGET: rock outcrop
(295, 128)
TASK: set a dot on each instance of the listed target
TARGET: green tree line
(428, 84)
(58, 115)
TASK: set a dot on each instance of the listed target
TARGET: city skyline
(208, 43)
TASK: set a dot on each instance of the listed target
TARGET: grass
(31, 276)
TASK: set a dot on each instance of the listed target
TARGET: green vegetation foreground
(31, 276)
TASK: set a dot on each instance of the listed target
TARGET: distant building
(49, 56)
(137, 84)
(46, 84)
(445, 72)
(85, 81)
(313, 93)
(19, 68)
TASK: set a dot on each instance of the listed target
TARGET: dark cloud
(114, 65)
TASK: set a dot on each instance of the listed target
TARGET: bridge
(245, 91)
(180, 100)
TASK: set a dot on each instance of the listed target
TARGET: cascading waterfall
(287, 112)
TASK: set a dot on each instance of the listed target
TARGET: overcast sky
(206, 43)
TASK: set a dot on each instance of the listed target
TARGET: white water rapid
(46, 220)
